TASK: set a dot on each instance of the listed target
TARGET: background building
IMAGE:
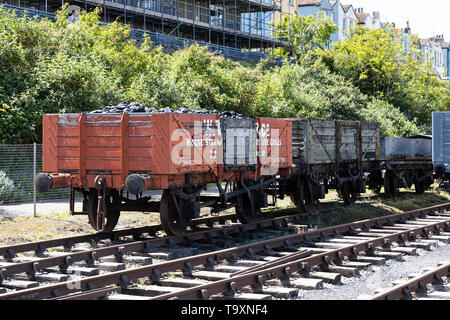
(238, 29)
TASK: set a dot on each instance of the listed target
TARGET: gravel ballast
(381, 277)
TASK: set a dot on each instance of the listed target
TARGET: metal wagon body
(441, 147)
(404, 162)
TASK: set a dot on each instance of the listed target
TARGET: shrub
(392, 121)
(6, 187)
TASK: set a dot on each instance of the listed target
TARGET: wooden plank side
(124, 146)
(103, 141)
(140, 130)
(160, 143)
(68, 131)
(322, 141)
(193, 157)
(68, 152)
(104, 164)
(141, 165)
(300, 138)
(82, 143)
(68, 141)
(50, 143)
(140, 153)
(279, 145)
(141, 141)
(109, 131)
(370, 132)
(104, 152)
(69, 165)
(349, 143)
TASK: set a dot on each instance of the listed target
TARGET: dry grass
(328, 212)
(332, 211)
(55, 225)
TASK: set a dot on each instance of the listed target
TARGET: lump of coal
(137, 107)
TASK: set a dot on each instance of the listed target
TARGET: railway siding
(288, 262)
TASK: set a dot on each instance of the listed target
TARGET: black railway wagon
(330, 154)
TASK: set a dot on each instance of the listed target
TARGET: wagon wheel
(420, 187)
(303, 197)
(377, 189)
(293, 199)
(390, 185)
(112, 211)
(170, 220)
(246, 208)
(348, 192)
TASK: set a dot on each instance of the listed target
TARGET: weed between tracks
(328, 212)
(331, 211)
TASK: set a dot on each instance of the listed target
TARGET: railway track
(38, 247)
(275, 267)
(432, 284)
(87, 255)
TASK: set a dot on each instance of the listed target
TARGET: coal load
(137, 107)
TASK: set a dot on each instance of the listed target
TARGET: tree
(304, 33)
(375, 62)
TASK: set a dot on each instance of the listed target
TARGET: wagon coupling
(44, 181)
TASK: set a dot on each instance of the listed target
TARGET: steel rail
(65, 260)
(418, 284)
(258, 277)
(123, 278)
(67, 242)
(91, 294)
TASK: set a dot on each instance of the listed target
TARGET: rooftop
(301, 3)
(362, 17)
(346, 7)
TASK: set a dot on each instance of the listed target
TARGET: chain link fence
(18, 167)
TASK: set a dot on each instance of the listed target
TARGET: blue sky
(426, 18)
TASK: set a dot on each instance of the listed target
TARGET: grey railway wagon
(441, 141)
(405, 149)
(329, 141)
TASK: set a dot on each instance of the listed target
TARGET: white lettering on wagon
(204, 145)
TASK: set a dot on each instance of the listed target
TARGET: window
(290, 2)
(217, 15)
(345, 24)
(258, 22)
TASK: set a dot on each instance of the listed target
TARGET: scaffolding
(223, 24)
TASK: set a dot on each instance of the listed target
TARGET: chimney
(407, 29)
(359, 10)
(376, 15)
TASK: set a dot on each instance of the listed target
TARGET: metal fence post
(34, 174)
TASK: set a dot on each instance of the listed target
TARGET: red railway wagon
(112, 158)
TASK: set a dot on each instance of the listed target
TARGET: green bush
(392, 121)
(374, 61)
(6, 187)
(56, 67)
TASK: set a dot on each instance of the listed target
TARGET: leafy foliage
(304, 33)
(52, 67)
(6, 187)
(393, 122)
(375, 62)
